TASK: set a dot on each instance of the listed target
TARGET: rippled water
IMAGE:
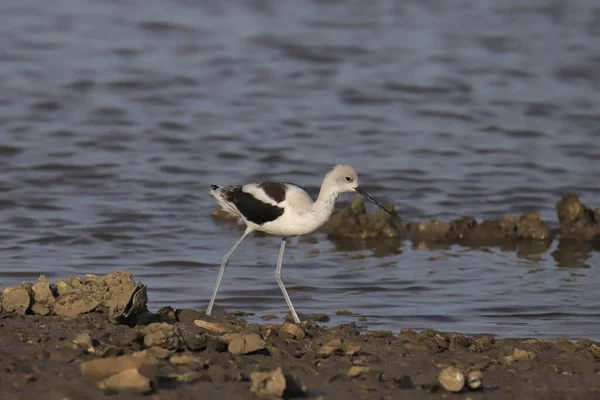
(116, 116)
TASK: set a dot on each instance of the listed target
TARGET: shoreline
(86, 339)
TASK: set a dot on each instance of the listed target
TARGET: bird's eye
(348, 179)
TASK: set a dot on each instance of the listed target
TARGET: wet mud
(123, 351)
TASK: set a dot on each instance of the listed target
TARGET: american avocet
(283, 209)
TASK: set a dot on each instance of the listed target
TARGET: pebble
(162, 334)
(245, 344)
(274, 384)
(102, 368)
(184, 359)
(523, 355)
(84, 340)
(41, 292)
(331, 347)
(356, 370)
(475, 380)
(293, 330)
(129, 380)
(343, 312)
(188, 316)
(193, 376)
(16, 299)
(216, 326)
(452, 379)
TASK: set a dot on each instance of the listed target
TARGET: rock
(274, 384)
(84, 340)
(194, 338)
(17, 299)
(40, 309)
(193, 376)
(452, 379)
(42, 296)
(162, 334)
(475, 380)
(102, 368)
(357, 370)
(75, 303)
(216, 327)
(293, 330)
(502, 231)
(268, 317)
(245, 344)
(429, 230)
(188, 316)
(354, 222)
(334, 346)
(124, 297)
(459, 227)
(69, 286)
(129, 380)
(576, 220)
(159, 353)
(320, 317)
(532, 227)
(115, 294)
(268, 384)
(523, 355)
(185, 359)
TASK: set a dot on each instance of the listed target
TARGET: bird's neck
(323, 206)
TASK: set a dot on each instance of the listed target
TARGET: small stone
(216, 326)
(40, 309)
(268, 384)
(245, 344)
(159, 353)
(452, 379)
(102, 368)
(293, 330)
(331, 347)
(188, 316)
(162, 334)
(17, 299)
(129, 380)
(193, 376)
(356, 370)
(320, 317)
(352, 348)
(41, 292)
(343, 312)
(194, 338)
(520, 355)
(475, 380)
(84, 340)
(184, 359)
(380, 334)
(269, 317)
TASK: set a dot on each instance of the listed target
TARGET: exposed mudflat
(183, 354)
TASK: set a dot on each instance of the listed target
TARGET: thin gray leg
(222, 269)
(280, 282)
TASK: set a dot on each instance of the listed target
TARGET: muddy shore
(94, 337)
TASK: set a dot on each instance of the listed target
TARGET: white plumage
(283, 209)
